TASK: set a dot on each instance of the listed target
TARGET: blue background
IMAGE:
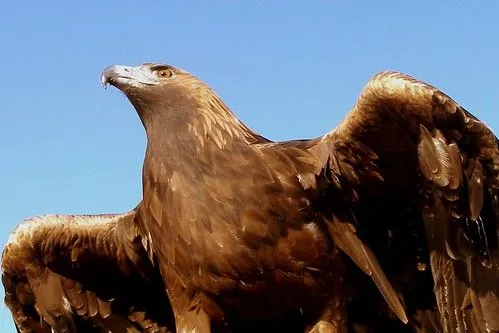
(287, 69)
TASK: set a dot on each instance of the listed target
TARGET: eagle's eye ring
(164, 73)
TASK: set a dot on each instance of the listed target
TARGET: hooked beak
(127, 76)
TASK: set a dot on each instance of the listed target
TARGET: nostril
(127, 70)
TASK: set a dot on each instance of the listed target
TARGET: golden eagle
(388, 222)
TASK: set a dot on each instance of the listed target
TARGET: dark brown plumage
(389, 218)
(87, 273)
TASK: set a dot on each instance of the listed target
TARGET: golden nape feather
(386, 223)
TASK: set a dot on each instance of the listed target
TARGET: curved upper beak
(125, 76)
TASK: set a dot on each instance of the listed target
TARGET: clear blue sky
(288, 69)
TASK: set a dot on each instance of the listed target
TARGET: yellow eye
(164, 73)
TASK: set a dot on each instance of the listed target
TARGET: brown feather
(345, 238)
(82, 278)
(249, 235)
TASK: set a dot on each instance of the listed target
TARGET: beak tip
(106, 75)
(103, 81)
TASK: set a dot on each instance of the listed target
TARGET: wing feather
(66, 273)
(346, 239)
(434, 156)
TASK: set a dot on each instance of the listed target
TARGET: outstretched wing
(421, 176)
(65, 273)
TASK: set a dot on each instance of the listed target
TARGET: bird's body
(225, 224)
(388, 219)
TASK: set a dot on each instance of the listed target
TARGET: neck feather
(198, 122)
